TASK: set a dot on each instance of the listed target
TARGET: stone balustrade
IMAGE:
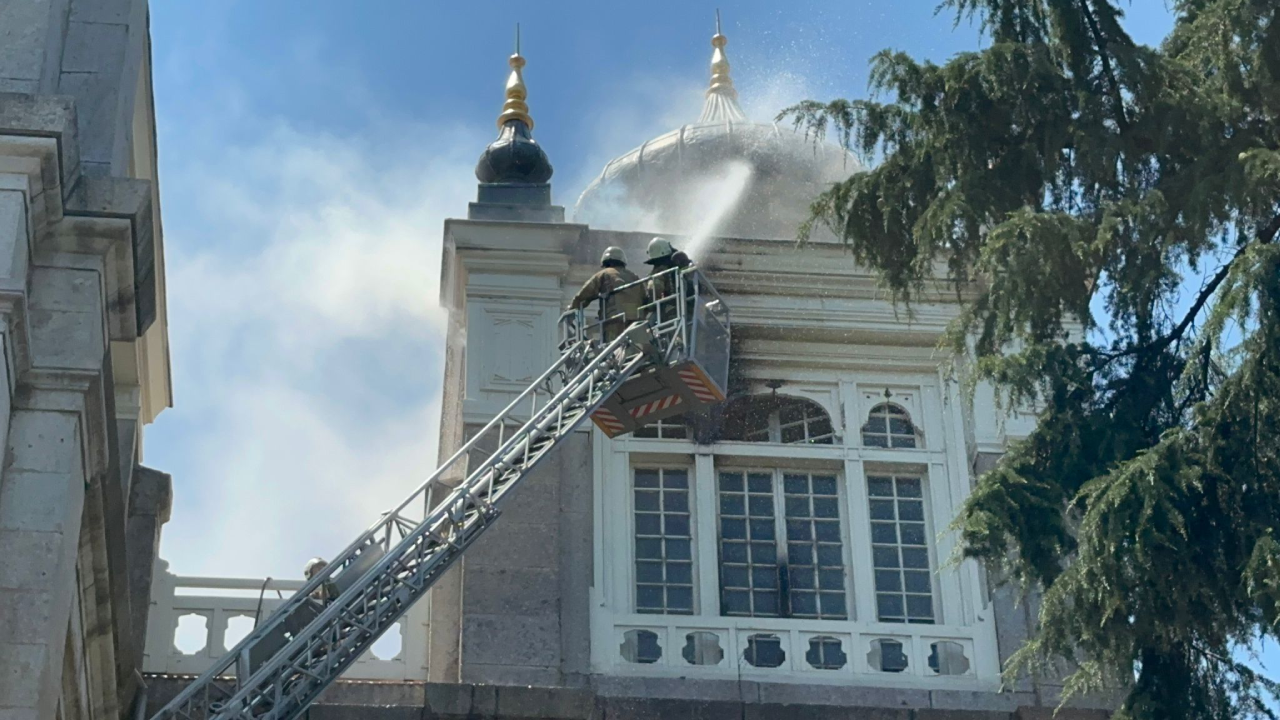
(195, 620)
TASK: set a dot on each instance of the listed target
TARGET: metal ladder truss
(292, 656)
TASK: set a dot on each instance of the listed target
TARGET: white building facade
(788, 555)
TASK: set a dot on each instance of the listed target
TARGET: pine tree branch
(1122, 120)
(1265, 236)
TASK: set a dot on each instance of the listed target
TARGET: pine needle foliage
(1113, 208)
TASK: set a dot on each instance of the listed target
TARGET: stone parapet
(606, 699)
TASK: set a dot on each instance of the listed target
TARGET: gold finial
(515, 108)
(722, 98)
(720, 81)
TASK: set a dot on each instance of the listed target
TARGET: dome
(722, 175)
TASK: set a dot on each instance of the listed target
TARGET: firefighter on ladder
(619, 308)
(664, 257)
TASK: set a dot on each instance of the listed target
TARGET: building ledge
(604, 698)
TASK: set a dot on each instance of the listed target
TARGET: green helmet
(615, 254)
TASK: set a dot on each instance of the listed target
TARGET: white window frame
(779, 469)
(961, 612)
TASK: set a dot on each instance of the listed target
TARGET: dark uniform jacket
(665, 286)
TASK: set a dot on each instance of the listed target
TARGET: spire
(515, 157)
(515, 108)
(722, 98)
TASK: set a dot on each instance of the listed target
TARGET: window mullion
(706, 533)
(780, 533)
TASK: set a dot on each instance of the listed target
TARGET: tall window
(900, 549)
(663, 541)
(889, 426)
(788, 564)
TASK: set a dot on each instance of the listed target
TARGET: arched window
(777, 419)
(889, 426)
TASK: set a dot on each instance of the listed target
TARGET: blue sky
(309, 154)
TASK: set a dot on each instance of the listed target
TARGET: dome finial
(722, 98)
(515, 157)
(515, 108)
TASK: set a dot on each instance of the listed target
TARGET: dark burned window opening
(777, 419)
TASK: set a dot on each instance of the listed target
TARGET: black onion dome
(515, 157)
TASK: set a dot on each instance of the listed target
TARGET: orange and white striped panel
(607, 421)
(652, 407)
(699, 385)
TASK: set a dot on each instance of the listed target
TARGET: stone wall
(77, 261)
(605, 699)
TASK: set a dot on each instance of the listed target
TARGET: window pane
(649, 598)
(832, 605)
(824, 485)
(733, 528)
(735, 602)
(802, 578)
(766, 603)
(799, 530)
(920, 607)
(760, 483)
(884, 532)
(915, 557)
(761, 506)
(679, 600)
(831, 579)
(678, 549)
(917, 581)
(648, 572)
(646, 500)
(764, 553)
(732, 576)
(730, 482)
(733, 552)
(793, 433)
(764, 578)
(804, 604)
(680, 573)
(885, 557)
(827, 531)
(891, 580)
(797, 506)
(880, 486)
(762, 529)
(732, 505)
(909, 487)
(826, 507)
(901, 426)
(875, 440)
(830, 556)
(800, 554)
(675, 501)
(912, 533)
(663, 542)
(648, 524)
(876, 424)
(910, 510)
(796, 484)
(676, 525)
(882, 510)
(903, 441)
(889, 606)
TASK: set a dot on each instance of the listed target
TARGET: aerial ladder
(673, 361)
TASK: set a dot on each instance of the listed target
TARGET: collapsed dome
(718, 176)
